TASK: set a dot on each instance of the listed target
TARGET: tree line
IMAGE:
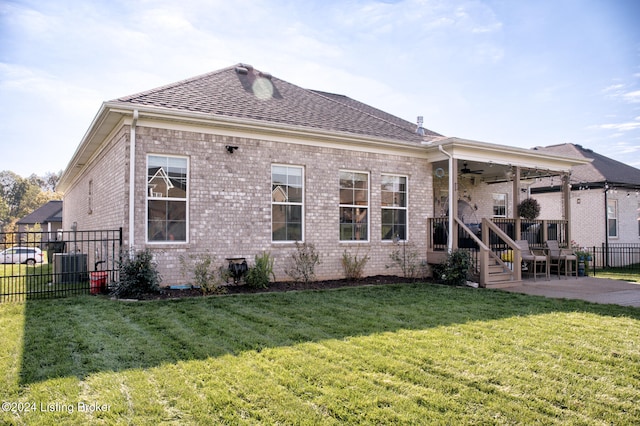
(21, 196)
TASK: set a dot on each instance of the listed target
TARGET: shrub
(407, 258)
(302, 263)
(529, 208)
(353, 267)
(138, 275)
(454, 270)
(260, 274)
(204, 274)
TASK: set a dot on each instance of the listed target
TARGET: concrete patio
(591, 289)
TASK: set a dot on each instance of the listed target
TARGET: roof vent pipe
(420, 129)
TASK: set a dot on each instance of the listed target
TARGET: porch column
(566, 199)
(516, 200)
(453, 204)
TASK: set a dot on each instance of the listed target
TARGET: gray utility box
(70, 268)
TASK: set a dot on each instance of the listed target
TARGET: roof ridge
(321, 93)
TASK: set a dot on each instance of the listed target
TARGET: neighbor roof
(242, 91)
(50, 212)
(600, 170)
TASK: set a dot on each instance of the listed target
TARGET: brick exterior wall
(96, 200)
(229, 198)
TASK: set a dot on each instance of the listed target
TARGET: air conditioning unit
(70, 268)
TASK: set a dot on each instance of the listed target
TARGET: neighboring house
(237, 162)
(605, 198)
(48, 216)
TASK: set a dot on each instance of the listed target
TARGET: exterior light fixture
(230, 148)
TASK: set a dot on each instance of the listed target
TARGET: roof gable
(242, 91)
(601, 169)
(50, 212)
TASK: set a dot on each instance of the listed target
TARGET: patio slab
(591, 289)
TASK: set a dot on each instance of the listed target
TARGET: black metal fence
(615, 257)
(59, 264)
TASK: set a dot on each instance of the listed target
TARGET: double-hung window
(287, 203)
(167, 179)
(354, 206)
(499, 205)
(612, 218)
(394, 207)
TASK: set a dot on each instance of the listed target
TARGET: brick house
(605, 198)
(237, 162)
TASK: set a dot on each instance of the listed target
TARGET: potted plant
(529, 208)
(583, 261)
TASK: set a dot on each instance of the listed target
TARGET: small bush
(138, 275)
(260, 274)
(204, 274)
(454, 270)
(353, 267)
(407, 258)
(302, 263)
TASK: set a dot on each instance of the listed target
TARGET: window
(90, 197)
(354, 206)
(287, 205)
(167, 179)
(612, 218)
(499, 205)
(394, 207)
(639, 219)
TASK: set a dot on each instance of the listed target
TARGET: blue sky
(520, 73)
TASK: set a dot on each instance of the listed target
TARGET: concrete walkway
(591, 289)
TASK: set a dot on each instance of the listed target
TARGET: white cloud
(622, 127)
(633, 97)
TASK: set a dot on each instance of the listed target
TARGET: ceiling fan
(466, 170)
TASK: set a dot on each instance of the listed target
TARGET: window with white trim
(167, 179)
(287, 203)
(354, 206)
(393, 200)
(612, 218)
(499, 205)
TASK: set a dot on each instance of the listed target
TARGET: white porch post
(453, 204)
(566, 194)
(516, 201)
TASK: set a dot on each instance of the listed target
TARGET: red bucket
(98, 281)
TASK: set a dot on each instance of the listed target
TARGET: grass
(624, 274)
(404, 354)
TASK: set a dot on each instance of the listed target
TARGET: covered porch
(477, 188)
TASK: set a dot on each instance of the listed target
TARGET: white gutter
(451, 193)
(132, 178)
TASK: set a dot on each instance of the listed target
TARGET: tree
(20, 196)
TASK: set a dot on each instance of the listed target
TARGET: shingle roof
(241, 91)
(50, 212)
(601, 169)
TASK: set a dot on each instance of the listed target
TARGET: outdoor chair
(533, 257)
(558, 256)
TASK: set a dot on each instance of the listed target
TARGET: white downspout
(132, 178)
(450, 231)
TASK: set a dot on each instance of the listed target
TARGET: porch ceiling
(493, 163)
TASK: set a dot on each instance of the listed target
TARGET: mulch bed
(167, 293)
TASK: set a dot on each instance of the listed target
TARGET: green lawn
(404, 354)
(618, 274)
